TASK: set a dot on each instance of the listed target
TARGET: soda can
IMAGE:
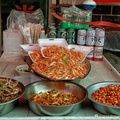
(90, 40)
(99, 37)
(91, 54)
(71, 36)
(98, 53)
(52, 32)
(62, 33)
(81, 37)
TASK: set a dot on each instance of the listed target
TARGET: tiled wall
(109, 13)
(105, 11)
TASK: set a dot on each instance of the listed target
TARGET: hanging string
(73, 3)
(63, 1)
(68, 2)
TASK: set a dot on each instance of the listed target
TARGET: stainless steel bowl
(43, 86)
(29, 62)
(103, 108)
(6, 107)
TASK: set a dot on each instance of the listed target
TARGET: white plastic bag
(16, 18)
(12, 37)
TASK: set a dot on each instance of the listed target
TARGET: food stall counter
(100, 71)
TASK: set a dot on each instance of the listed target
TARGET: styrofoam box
(44, 43)
(30, 47)
(52, 41)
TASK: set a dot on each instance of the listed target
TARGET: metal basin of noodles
(29, 62)
(6, 107)
(67, 87)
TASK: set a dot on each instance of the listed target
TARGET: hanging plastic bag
(16, 19)
(76, 14)
(12, 37)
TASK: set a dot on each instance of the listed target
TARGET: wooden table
(100, 71)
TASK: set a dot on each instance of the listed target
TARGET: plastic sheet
(16, 19)
(112, 41)
(74, 13)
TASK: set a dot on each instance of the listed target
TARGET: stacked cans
(62, 33)
(99, 43)
(90, 42)
(92, 38)
(68, 34)
(81, 37)
(52, 33)
(71, 36)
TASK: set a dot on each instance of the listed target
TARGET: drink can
(81, 37)
(62, 33)
(90, 40)
(91, 54)
(71, 36)
(98, 53)
(99, 37)
(52, 32)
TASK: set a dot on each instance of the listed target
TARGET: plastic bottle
(42, 34)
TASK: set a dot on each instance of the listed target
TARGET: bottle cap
(42, 29)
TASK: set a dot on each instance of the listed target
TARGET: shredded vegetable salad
(9, 90)
(60, 64)
(54, 98)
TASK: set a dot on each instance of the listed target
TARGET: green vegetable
(55, 103)
(69, 69)
(65, 62)
(40, 94)
(68, 57)
(76, 77)
(48, 96)
(61, 100)
(2, 88)
(66, 99)
(51, 67)
(57, 93)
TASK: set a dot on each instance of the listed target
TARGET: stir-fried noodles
(9, 90)
(60, 64)
(54, 98)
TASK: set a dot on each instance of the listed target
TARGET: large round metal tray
(29, 62)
